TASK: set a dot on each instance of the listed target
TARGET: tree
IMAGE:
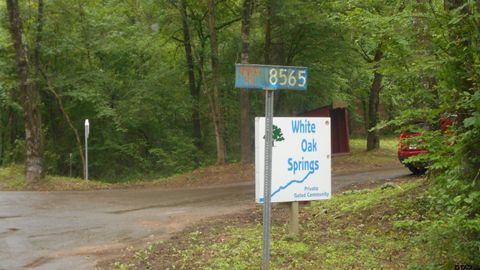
(29, 96)
(157, 78)
(245, 137)
(218, 123)
(375, 30)
(373, 138)
(194, 89)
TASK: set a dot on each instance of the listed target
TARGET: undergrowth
(381, 228)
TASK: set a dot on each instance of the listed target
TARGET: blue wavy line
(288, 184)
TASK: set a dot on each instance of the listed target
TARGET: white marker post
(87, 132)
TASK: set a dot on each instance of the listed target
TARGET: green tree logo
(277, 135)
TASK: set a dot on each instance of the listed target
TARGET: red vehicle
(406, 150)
(408, 147)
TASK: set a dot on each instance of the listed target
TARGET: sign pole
(269, 78)
(268, 178)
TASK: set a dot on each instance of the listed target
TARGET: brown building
(339, 127)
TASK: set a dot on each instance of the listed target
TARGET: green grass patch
(360, 160)
(12, 178)
(388, 144)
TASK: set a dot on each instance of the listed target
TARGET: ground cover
(12, 177)
(360, 160)
(360, 229)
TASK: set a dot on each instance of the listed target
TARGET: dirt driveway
(61, 230)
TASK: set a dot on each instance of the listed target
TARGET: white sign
(301, 165)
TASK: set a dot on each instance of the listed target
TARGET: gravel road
(61, 230)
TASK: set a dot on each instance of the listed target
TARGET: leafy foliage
(442, 82)
(121, 65)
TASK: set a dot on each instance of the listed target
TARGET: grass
(387, 144)
(360, 159)
(12, 176)
(366, 229)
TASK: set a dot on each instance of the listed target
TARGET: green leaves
(277, 134)
(473, 121)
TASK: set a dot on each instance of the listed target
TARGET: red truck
(408, 147)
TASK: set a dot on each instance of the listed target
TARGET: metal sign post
(87, 132)
(269, 78)
(268, 178)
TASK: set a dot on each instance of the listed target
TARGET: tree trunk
(268, 32)
(373, 138)
(274, 48)
(245, 133)
(194, 90)
(30, 99)
(365, 114)
(214, 100)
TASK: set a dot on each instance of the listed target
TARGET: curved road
(60, 230)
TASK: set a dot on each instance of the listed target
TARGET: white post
(87, 132)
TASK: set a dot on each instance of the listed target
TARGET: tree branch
(65, 114)
(364, 54)
(228, 23)
(177, 39)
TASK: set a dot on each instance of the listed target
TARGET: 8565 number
(287, 77)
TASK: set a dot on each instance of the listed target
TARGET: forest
(155, 78)
(156, 81)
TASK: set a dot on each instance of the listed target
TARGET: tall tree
(375, 34)
(373, 138)
(29, 96)
(218, 123)
(194, 89)
(245, 137)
